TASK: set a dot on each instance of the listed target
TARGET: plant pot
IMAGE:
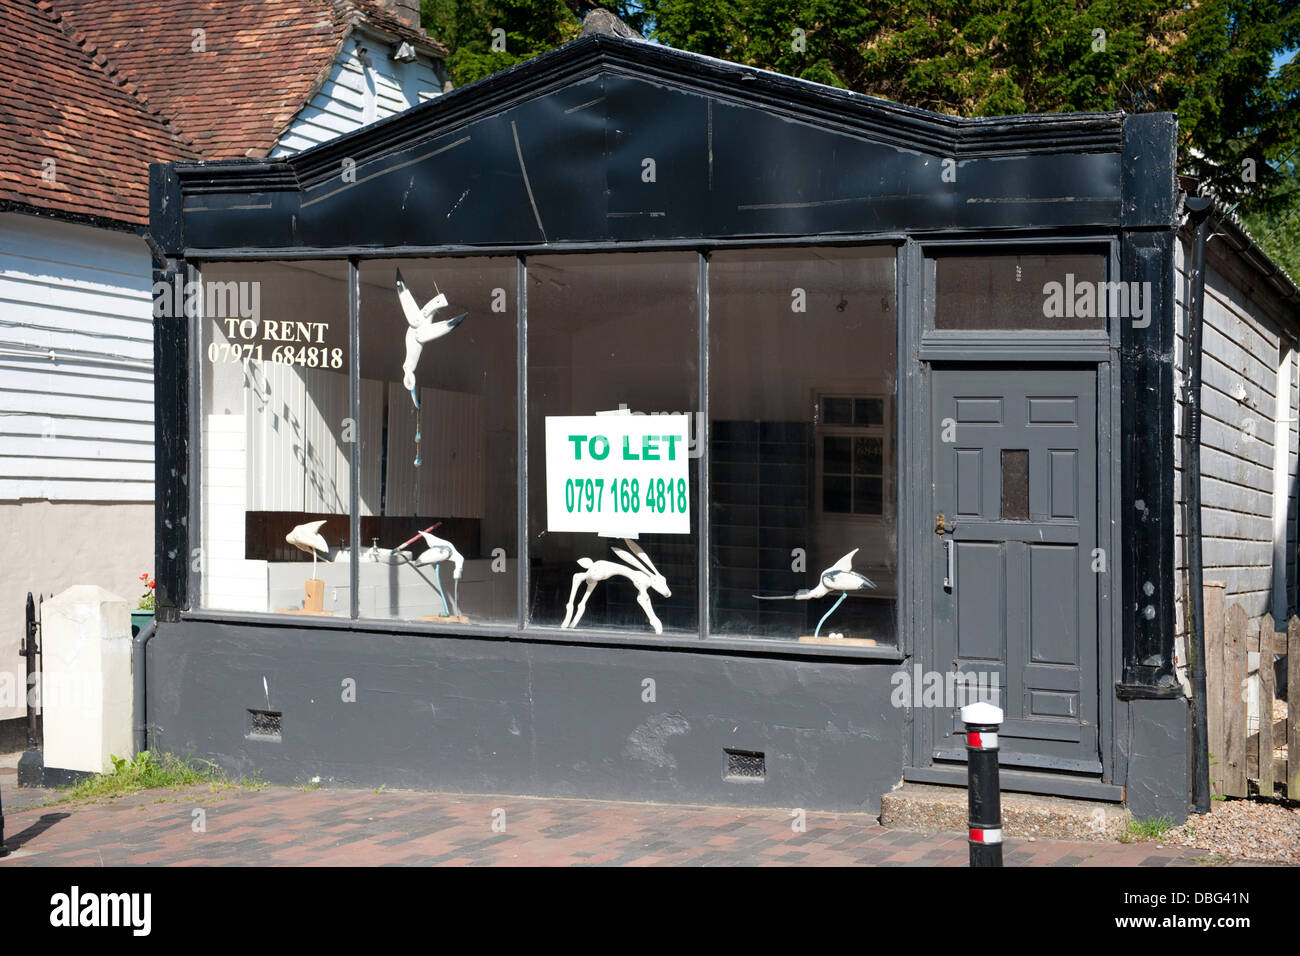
(139, 621)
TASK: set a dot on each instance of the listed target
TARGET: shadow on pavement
(21, 838)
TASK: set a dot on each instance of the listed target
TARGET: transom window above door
(1046, 292)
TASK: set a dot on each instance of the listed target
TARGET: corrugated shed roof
(1245, 245)
(1225, 222)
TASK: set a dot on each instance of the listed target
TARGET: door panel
(1016, 482)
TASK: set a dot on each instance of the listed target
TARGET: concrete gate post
(86, 684)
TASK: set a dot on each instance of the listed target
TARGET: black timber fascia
(795, 159)
(1147, 464)
(166, 219)
(880, 120)
(1150, 171)
(173, 443)
(877, 119)
(60, 215)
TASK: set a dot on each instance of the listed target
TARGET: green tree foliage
(527, 28)
(467, 28)
(1276, 227)
(1210, 61)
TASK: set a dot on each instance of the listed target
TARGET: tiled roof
(235, 86)
(378, 17)
(75, 138)
(107, 87)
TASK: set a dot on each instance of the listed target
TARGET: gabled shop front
(634, 424)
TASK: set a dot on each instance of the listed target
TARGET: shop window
(438, 440)
(275, 458)
(802, 388)
(1031, 291)
(613, 336)
(802, 502)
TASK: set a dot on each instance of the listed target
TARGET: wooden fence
(1236, 754)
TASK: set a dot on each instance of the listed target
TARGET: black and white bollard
(982, 721)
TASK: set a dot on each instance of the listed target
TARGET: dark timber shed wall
(548, 155)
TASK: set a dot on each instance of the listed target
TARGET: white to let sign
(618, 475)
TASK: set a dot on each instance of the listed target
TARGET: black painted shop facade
(931, 354)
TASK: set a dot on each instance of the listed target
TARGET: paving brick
(288, 827)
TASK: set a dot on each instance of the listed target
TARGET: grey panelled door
(1015, 594)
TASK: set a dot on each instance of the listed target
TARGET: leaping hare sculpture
(639, 569)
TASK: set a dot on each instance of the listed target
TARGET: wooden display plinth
(446, 619)
(842, 641)
(313, 600)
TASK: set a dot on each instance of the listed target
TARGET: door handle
(950, 577)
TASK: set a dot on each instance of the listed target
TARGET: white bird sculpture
(840, 577)
(421, 330)
(441, 550)
(639, 569)
(307, 537)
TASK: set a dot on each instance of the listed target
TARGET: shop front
(634, 424)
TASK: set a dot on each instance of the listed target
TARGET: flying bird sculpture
(840, 577)
(638, 568)
(307, 537)
(441, 550)
(421, 330)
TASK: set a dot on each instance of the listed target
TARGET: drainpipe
(138, 693)
(1198, 207)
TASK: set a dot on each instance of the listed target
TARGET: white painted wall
(451, 424)
(76, 417)
(76, 363)
(41, 544)
(76, 386)
(230, 581)
(354, 95)
(76, 335)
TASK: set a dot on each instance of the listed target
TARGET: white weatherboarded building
(1250, 404)
(76, 333)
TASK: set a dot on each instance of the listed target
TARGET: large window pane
(802, 401)
(275, 449)
(439, 449)
(610, 333)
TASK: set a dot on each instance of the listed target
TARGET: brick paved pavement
(293, 827)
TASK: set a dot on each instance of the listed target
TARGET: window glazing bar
(522, 569)
(354, 456)
(194, 356)
(702, 444)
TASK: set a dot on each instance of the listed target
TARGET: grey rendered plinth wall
(1158, 759)
(508, 716)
